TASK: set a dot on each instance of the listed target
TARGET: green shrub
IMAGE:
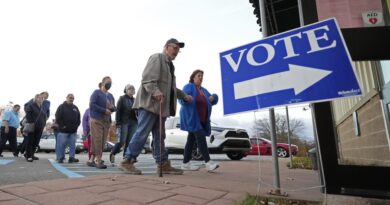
(249, 200)
(262, 200)
(301, 163)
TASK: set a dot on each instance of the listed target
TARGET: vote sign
(307, 64)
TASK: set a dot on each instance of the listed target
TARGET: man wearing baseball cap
(158, 87)
(174, 41)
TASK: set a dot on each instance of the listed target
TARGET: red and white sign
(347, 12)
(373, 18)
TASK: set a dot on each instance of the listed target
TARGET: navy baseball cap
(175, 41)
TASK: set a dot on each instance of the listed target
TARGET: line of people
(135, 118)
(37, 112)
(32, 125)
(156, 100)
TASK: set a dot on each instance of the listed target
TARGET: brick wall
(372, 146)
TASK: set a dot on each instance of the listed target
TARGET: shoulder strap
(40, 111)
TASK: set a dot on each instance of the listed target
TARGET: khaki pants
(99, 132)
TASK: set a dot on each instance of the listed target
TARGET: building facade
(352, 133)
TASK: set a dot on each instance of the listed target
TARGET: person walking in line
(21, 148)
(37, 115)
(45, 103)
(126, 121)
(45, 106)
(195, 118)
(68, 119)
(101, 105)
(158, 87)
(87, 132)
(55, 129)
(9, 125)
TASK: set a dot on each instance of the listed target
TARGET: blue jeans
(127, 131)
(64, 139)
(147, 121)
(200, 139)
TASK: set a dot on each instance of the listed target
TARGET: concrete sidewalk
(228, 185)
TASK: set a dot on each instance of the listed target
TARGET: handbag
(29, 127)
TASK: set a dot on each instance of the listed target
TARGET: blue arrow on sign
(308, 64)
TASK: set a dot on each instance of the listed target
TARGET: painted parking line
(64, 170)
(80, 167)
(148, 167)
(5, 161)
(85, 170)
(102, 171)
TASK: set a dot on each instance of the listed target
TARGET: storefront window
(385, 65)
(362, 122)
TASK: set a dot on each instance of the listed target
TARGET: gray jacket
(157, 80)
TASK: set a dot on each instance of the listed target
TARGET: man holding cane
(157, 94)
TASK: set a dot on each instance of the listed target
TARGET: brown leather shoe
(128, 167)
(100, 165)
(168, 169)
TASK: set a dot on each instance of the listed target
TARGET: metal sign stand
(289, 138)
(271, 117)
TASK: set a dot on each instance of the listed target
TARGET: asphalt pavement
(18, 170)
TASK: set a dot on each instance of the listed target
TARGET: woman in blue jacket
(101, 105)
(195, 118)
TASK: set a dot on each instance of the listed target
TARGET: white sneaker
(211, 166)
(189, 167)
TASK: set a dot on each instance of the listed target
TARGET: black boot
(73, 160)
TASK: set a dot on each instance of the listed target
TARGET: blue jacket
(98, 104)
(189, 117)
(12, 118)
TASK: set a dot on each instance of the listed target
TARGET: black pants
(11, 137)
(32, 141)
(200, 139)
(22, 146)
